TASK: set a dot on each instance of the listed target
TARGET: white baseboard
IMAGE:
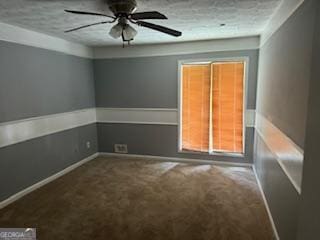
(175, 159)
(266, 204)
(30, 189)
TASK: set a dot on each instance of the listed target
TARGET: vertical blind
(212, 107)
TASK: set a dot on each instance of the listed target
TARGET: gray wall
(157, 140)
(36, 82)
(310, 207)
(26, 163)
(282, 197)
(151, 82)
(282, 96)
(284, 73)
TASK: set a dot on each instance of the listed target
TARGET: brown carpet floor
(110, 198)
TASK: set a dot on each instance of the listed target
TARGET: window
(212, 107)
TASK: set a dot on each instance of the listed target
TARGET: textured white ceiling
(197, 19)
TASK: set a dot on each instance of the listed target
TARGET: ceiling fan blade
(159, 28)
(147, 15)
(89, 13)
(85, 26)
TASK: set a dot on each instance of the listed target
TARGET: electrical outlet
(120, 148)
(88, 145)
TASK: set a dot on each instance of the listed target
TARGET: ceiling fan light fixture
(129, 33)
(123, 15)
(116, 31)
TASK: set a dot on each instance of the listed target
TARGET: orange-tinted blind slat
(227, 107)
(196, 107)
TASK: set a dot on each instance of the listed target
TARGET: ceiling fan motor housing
(119, 7)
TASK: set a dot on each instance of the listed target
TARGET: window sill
(225, 154)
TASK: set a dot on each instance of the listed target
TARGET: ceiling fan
(124, 13)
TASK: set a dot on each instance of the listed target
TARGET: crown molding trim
(27, 37)
(181, 48)
(19, 35)
(285, 10)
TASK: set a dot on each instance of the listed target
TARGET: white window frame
(246, 62)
